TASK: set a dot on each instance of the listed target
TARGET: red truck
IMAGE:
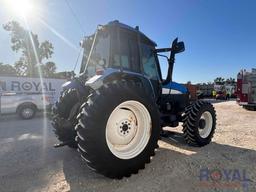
(246, 89)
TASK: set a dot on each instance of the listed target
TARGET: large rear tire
(118, 129)
(199, 123)
(63, 122)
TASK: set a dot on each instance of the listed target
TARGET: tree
(6, 69)
(21, 67)
(65, 74)
(32, 51)
(49, 69)
(219, 81)
(231, 81)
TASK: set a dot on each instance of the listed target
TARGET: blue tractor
(114, 111)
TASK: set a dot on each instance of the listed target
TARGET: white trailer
(24, 104)
(46, 86)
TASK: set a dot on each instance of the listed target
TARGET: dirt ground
(28, 162)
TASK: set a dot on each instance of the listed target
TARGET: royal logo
(224, 179)
(28, 86)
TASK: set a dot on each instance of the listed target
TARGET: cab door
(149, 62)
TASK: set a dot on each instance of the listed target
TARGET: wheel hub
(125, 127)
(202, 123)
(205, 124)
(128, 129)
(27, 112)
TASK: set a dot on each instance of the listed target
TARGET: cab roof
(127, 27)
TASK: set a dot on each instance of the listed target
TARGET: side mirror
(178, 47)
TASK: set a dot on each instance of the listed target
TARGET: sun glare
(23, 8)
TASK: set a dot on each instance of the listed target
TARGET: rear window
(128, 53)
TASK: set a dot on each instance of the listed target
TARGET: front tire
(64, 124)
(118, 129)
(199, 123)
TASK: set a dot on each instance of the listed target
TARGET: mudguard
(74, 84)
(111, 74)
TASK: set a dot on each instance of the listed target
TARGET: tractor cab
(117, 45)
(121, 47)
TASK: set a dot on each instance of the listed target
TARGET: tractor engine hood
(174, 88)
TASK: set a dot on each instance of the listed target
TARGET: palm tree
(219, 81)
(231, 81)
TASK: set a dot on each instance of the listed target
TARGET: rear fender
(111, 75)
(74, 84)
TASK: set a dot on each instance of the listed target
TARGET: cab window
(128, 54)
(149, 63)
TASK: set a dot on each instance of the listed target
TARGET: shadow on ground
(213, 101)
(175, 167)
(30, 163)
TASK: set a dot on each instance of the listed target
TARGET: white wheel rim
(27, 112)
(205, 132)
(128, 129)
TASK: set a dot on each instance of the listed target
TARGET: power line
(77, 59)
(75, 16)
(80, 26)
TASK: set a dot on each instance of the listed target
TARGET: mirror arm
(163, 56)
(177, 47)
(163, 50)
(170, 69)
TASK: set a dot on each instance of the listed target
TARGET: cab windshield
(96, 52)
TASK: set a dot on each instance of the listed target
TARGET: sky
(219, 35)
